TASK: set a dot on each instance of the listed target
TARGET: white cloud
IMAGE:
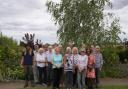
(21, 16)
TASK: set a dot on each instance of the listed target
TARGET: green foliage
(112, 66)
(9, 59)
(84, 21)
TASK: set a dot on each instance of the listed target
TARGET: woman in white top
(82, 67)
(41, 65)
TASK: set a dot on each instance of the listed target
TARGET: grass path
(105, 84)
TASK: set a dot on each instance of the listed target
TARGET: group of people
(52, 65)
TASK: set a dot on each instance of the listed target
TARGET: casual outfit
(35, 70)
(28, 70)
(49, 68)
(41, 65)
(98, 66)
(91, 71)
(57, 64)
(75, 61)
(81, 73)
(68, 68)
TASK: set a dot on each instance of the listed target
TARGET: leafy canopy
(84, 21)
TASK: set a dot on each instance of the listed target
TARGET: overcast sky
(30, 16)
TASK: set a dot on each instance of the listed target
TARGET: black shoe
(26, 85)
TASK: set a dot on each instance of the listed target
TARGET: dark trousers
(42, 74)
(62, 76)
(97, 71)
(69, 79)
(49, 73)
(28, 72)
(75, 78)
(90, 83)
(56, 77)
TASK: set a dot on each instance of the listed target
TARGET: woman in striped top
(68, 68)
(75, 57)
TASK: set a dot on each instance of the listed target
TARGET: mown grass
(102, 87)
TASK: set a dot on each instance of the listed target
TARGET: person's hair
(74, 48)
(30, 51)
(68, 48)
(97, 47)
(49, 47)
(40, 49)
(89, 50)
(82, 49)
(57, 49)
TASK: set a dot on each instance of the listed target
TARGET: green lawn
(103, 87)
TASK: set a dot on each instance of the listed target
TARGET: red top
(91, 69)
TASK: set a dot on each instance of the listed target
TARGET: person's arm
(86, 63)
(64, 60)
(34, 61)
(21, 62)
(101, 61)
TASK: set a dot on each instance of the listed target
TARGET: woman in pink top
(90, 69)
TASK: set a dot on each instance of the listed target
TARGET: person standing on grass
(68, 69)
(98, 64)
(49, 60)
(90, 69)
(62, 68)
(27, 64)
(41, 66)
(82, 68)
(35, 70)
(75, 57)
(57, 64)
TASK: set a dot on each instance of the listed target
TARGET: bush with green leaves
(9, 59)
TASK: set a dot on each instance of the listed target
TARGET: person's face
(57, 51)
(75, 51)
(82, 53)
(88, 52)
(68, 50)
(50, 49)
(41, 51)
(92, 47)
(36, 47)
(97, 49)
(28, 47)
(45, 48)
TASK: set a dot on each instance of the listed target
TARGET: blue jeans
(81, 80)
(69, 79)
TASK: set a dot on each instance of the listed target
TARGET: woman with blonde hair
(57, 64)
(82, 68)
(75, 57)
(68, 68)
